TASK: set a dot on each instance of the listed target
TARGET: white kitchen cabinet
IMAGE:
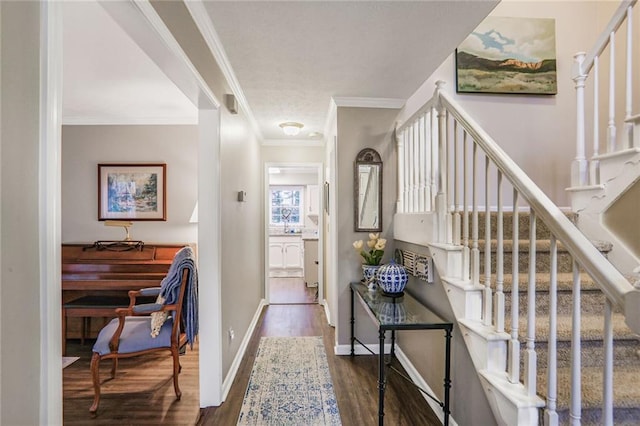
(313, 200)
(285, 256)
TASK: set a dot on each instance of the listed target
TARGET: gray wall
(20, 298)
(242, 251)
(84, 147)
(360, 128)
(242, 232)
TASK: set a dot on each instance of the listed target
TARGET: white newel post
(579, 166)
(441, 198)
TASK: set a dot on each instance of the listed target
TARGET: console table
(399, 313)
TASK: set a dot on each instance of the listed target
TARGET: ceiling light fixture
(291, 128)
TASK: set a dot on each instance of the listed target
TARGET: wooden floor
(354, 379)
(142, 393)
(290, 291)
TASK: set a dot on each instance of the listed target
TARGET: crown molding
(392, 103)
(126, 121)
(331, 118)
(201, 18)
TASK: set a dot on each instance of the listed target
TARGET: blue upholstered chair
(129, 334)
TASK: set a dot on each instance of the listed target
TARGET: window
(286, 205)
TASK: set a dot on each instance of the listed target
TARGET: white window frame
(300, 188)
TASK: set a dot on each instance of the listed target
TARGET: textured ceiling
(289, 58)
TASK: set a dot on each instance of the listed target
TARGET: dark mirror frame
(366, 156)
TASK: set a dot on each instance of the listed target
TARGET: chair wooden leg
(176, 372)
(114, 367)
(95, 376)
(64, 332)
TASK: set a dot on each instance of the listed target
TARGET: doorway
(293, 221)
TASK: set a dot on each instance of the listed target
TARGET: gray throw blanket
(170, 290)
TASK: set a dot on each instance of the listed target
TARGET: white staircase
(603, 172)
(448, 167)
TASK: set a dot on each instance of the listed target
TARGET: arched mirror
(368, 191)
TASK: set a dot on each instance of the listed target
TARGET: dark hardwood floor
(142, 393)
(290, 290)
(355, 379)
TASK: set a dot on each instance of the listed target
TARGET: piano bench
(93, 306)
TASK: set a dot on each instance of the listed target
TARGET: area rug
(290, 385)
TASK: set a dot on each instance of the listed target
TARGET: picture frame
(132, 192)
(505, 55)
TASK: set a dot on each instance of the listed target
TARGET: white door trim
(49, 210)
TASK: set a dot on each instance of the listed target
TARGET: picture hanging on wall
(132, 191)
(508, 55)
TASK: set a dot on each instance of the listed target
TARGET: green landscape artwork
(508, 55)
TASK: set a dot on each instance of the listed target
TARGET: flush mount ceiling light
(291, 128)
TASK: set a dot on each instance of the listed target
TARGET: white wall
(538, 132)
(84, 147)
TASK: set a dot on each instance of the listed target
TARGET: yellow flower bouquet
(375, 247)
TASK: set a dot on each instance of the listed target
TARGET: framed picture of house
(132, 191)
(508, 55)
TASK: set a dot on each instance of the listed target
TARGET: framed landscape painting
(132, 191)
(508, 55)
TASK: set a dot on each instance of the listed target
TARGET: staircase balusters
(575, 412)
(434, 155)
(530, 353)
(416, 168)
(456, 202)
(514, 344)
(475, 251)
(487, 300)
(594, 167)
(499, 296)
(550, 414)
(628, 127)
(611, 127)
(405, 161)
(607, 377)
(410, 170)
(422, 166)
(465, 212)
(400, 207)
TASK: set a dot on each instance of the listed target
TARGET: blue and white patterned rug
(290, 384)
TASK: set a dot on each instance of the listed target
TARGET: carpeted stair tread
(626, 391)
(591, 327)
(564, 282)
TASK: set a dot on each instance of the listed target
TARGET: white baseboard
(327, 313)
(361, 350)
(231, 375)
(419, 381)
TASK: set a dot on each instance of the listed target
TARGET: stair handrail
(612, 283)
(585, 172)
(618, 18)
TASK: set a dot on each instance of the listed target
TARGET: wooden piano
(96, 279)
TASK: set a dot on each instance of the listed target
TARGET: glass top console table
(399, 313)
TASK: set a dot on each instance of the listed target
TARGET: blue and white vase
(392, 278)
(370, 273)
